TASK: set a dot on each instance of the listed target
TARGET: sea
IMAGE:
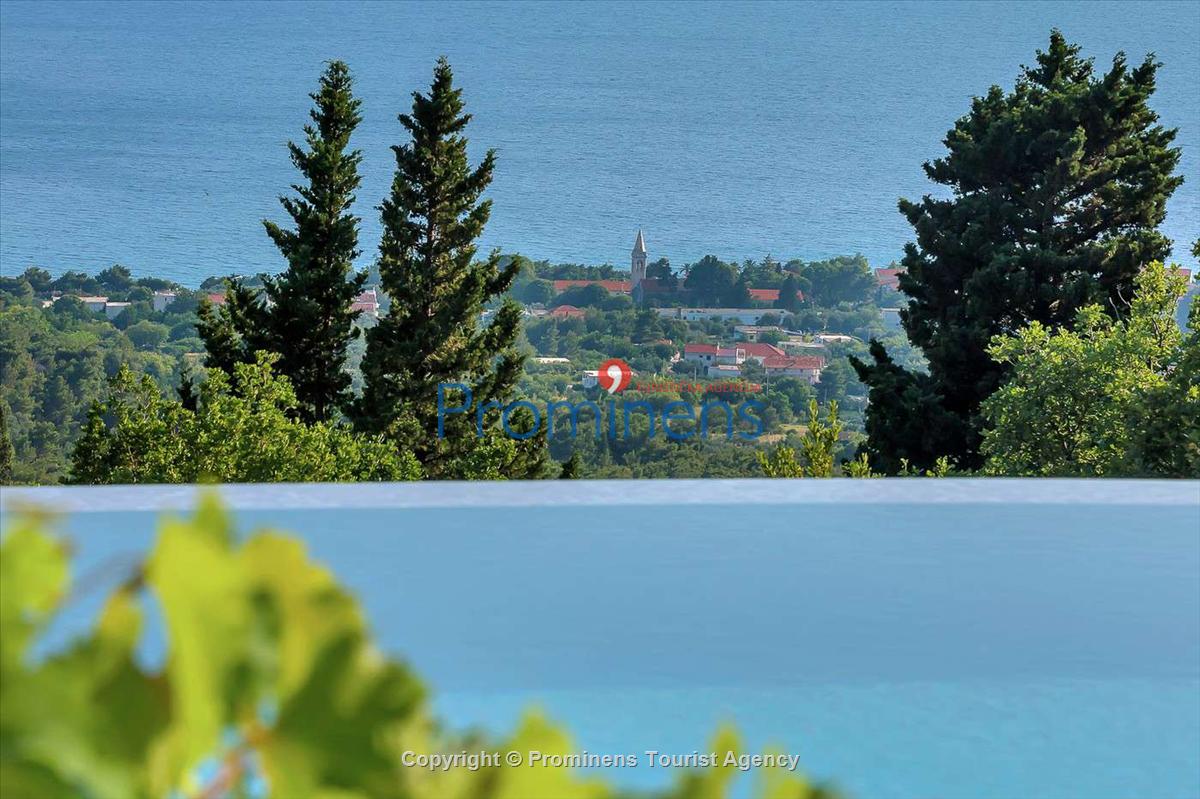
(154, 135)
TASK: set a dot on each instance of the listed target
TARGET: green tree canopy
(1107, 398)
(713, 282)
(305, 314)
(6, 448)
(241, 431)
(116, 279)
(789, 299)
(432, 333)
(1056, 192)
(845, 279)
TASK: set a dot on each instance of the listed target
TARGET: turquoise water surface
(907, 639)
(153, 135)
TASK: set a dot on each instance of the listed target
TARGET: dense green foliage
(6, 449)
(55, 361)
(1106, 398)
(431, 333)
(272, 687)
(243, 430)
(304, 315)
(818, 446)
(36, 337)
(714, 283)
(1057, 189)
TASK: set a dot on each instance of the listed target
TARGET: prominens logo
(614, 375)
(678, 420)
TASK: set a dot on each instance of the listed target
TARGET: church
(641, 286)
(644, 288)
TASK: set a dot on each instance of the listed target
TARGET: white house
(753, 332)
(162, 300)
(746, 316)
(801, 347)
(724, 371)
(113, 309)
(805, 367)
(712, 354)
(95, 304)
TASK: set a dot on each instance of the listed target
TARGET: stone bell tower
(637, 262)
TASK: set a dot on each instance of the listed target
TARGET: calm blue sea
(153, 135)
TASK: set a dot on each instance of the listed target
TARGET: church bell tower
(637, 262)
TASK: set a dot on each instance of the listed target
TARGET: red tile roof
(700, 349)
(366, 301)
(615, 286)
(770, 295)
(798, 362)
(888, 277)
(758, 349)
(568, 312)
(216, 299)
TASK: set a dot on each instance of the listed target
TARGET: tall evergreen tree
(6, 449)
(788, 300)
(432, 332)
(306, 318)
(232, 330)
(1056, 192)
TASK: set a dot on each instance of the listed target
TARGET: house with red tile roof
(804, 367)
(770, 295)
(711, 354)
(759, 351)
(568, 312)
(366, 302)
(889, 278)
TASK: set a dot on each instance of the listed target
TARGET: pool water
(907, 639)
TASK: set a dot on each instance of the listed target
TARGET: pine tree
(788, 300)
(231, 331)
(432, 333)
(306, 317)
(189, 398)
(572, 467)
(6, 449)
(1057, 189)
(310, 322)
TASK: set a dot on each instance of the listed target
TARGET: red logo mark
(614, 375)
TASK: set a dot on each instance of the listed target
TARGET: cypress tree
(306, 318)
(431, 333)
(1056, 192)
(7, 455)
(788, 300)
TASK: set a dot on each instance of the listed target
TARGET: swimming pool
(906, 638)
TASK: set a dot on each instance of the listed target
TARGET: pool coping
(588, 493)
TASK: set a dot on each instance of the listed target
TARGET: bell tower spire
(637, 262)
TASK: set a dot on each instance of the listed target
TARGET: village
(755, 343)
(759, 341)
(758, 337)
